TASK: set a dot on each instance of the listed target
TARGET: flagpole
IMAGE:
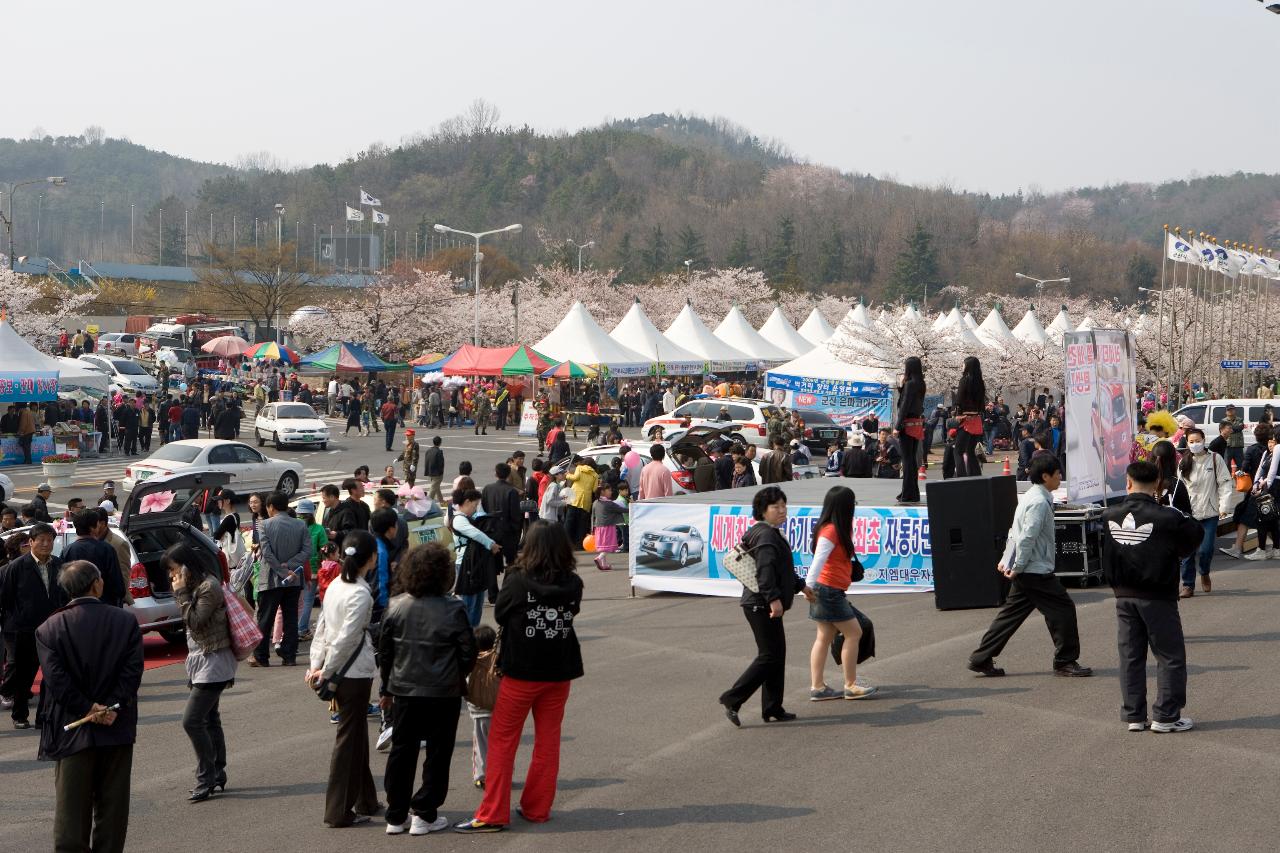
(1164, 264)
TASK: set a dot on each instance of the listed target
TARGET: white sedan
(290, 423)
(248, 469)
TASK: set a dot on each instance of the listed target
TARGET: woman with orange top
(829, 577)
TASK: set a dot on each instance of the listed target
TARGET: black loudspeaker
(969, 519)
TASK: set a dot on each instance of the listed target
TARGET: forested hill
(651, 192)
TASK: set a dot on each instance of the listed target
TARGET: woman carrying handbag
(211, 664)
(342, 660)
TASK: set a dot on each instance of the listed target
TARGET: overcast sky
(987, 95)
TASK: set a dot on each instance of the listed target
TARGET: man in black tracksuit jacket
(1143, 543)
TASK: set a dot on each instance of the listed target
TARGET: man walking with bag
(1028, 561)
(91, 656)
(1142, 547)
(285, 553)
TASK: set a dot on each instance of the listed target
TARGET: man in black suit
(91, 544)
(29, 592)
(501, 500)
(91, 655)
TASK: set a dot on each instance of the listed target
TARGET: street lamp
(55, 180)
(688, 269)
(1041, 282)
(590, 244)
(445, 229)
(279, 255)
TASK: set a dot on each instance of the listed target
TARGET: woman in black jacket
(425, 651)
(911, 427)
(778, 582)
(539, 655)
(970, 400)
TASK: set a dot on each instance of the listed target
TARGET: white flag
(1204, 251)
(354, 215)
(380, 218)
(1178, 249)
(368, 200)
(1242, 261)
(1222, 262)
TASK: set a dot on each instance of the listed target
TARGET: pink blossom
(156, 502)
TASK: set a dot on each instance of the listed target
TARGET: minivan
(1208, 413)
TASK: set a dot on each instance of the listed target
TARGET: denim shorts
(830, 605)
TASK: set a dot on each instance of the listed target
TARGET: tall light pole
(1041, 282)
(279, 257)
(688, 269)
(590, 244)
(56, 180)
(445, 229)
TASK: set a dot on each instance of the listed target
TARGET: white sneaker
(384, 740)
(1138, 727)
(1272, 553)
(397, 828)
(1182, 724)
(1258, 554)
(422, 827)
(1233, 551)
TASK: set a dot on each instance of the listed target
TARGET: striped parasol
(272, 351)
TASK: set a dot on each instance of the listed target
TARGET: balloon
(631, 460)
(589, 543)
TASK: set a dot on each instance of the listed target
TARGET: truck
(189, 332)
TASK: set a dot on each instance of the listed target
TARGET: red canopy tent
(517, 360)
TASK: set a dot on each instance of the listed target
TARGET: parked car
(682, 543)
(119, 343)
(150, 533)
(750, 417)
(290, 423)
(123, 372)
(1209, 413)
(820, 431)
(247, 469)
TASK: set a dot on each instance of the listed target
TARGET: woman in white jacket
(341, 643)
(1212, 490)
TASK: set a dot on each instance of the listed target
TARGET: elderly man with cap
(408, 457)
(40, 503)
(109, 494)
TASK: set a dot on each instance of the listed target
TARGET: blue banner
(36, 386)
(846, 402)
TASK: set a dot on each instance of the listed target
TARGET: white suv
(751, 417)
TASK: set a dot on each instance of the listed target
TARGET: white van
(1209, 413)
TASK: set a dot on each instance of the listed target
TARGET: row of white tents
(689, 347)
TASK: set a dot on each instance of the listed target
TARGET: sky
(981, 95)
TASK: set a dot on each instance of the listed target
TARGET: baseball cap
(410, 432)
(795, 442)
(109, 484)
(44, 487)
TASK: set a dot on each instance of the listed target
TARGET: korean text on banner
(846, 402)
(528, 419)
(35, 386)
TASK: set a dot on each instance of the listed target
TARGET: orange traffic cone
(1005, 470)
(922, 476)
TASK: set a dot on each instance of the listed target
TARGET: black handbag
(856, 572)
(866, 643)
(1266, 505)
(326, 690)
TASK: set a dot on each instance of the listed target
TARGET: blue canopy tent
(347, 358)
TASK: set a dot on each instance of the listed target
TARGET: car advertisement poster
(846, 402)
(680, 547)
(1100, 382)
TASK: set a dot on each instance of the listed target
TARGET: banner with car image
(1101, 412)
(848, 403)
(680, 547)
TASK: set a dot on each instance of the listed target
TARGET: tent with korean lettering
(841, 377)
(26, 374)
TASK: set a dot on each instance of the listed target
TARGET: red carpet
(156, 653)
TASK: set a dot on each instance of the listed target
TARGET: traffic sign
(1233, 364)
(1259, 364)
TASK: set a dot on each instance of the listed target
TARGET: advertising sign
(1101, 412)
(35, 386)
(846, 402)
(528, 419)
(681, 547)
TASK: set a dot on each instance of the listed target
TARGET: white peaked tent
(579, 338)
(993, 332)
(1086, 324)
(1060, 326)
(19, 356)
(815, 329)
(955, 325)
(1029, 330)
(637, 332)
(970, 322)
(941, 321)
(857, 315)
(912, 314)
(693, 335)
(778, 331)
(736, 331)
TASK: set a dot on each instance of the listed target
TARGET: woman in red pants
(538, 655)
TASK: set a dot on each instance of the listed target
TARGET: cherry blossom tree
(38, 310)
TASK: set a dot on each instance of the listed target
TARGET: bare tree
(263, 284)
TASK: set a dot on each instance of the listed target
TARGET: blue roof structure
(162, 274)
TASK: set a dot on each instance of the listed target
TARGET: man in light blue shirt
(1028, 561)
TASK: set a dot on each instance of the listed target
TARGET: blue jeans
(1204, 554)
(475, 607)
(308, 601)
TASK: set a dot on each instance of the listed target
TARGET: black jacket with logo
(1142, 546)
(538, 640)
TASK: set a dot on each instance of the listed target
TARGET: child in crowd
(486, 640)
(624, 526)
(330, 568)
(464, 470)
(606, 515)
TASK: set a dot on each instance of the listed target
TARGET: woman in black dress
(970, 400)
(911, 427)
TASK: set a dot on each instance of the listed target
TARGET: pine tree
(833, 260)
(689, 247)
(916, 266)
(655, 254)
(1140, 273)
(739, 252)
(624, 259)
(781, 252)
